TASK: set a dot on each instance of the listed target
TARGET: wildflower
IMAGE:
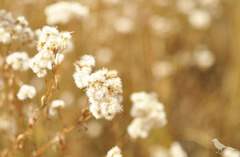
(50, 46)
(83, 69)
(55, 105)
(114, 152)
(18, 61)
(26, 92)
(11, 28)
(66, 11)
(148, 114)
(103, 88)
(105, 94)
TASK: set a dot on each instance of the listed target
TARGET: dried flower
(148, 114)
(15, 29)
(50, 46)
(83, 69)
(114, 152)
(26, 92)
(18, 61)
(55, 105)
(103, 88)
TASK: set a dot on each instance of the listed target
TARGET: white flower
(26, 92)
(83, 69)
(105, 94)
(103, 88)
(65, 12)
(18, 61)
(50, 47)
(55, 105)
(148, 114)
(114, 152)
(176, 150)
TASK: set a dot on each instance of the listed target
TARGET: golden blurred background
(187, 51)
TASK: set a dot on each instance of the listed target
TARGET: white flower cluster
(26, 92)
(55, 105)
(11, 28)
(62, 12)
(50, 46)
(175, 151)
(103, 88)
(148, 113)
(114, 152)
(18, 61)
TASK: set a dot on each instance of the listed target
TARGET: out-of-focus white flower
(51, 45)
(18, 61)
(200, 19)
(103, 88)
(176, 150)
(159, 151)
(203, 58)
(114, 152)
(62, 12)
(162, 69)
(55, 105)
(12, 29)
(26, 92)
(148, 114)
(230, 153)
(104, 55)
(123, 25)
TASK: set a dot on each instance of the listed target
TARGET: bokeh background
(187, 51)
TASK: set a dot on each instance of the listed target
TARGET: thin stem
(84, 117)
(22, 137)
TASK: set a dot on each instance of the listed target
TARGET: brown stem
(84, 117)
(22, 137)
